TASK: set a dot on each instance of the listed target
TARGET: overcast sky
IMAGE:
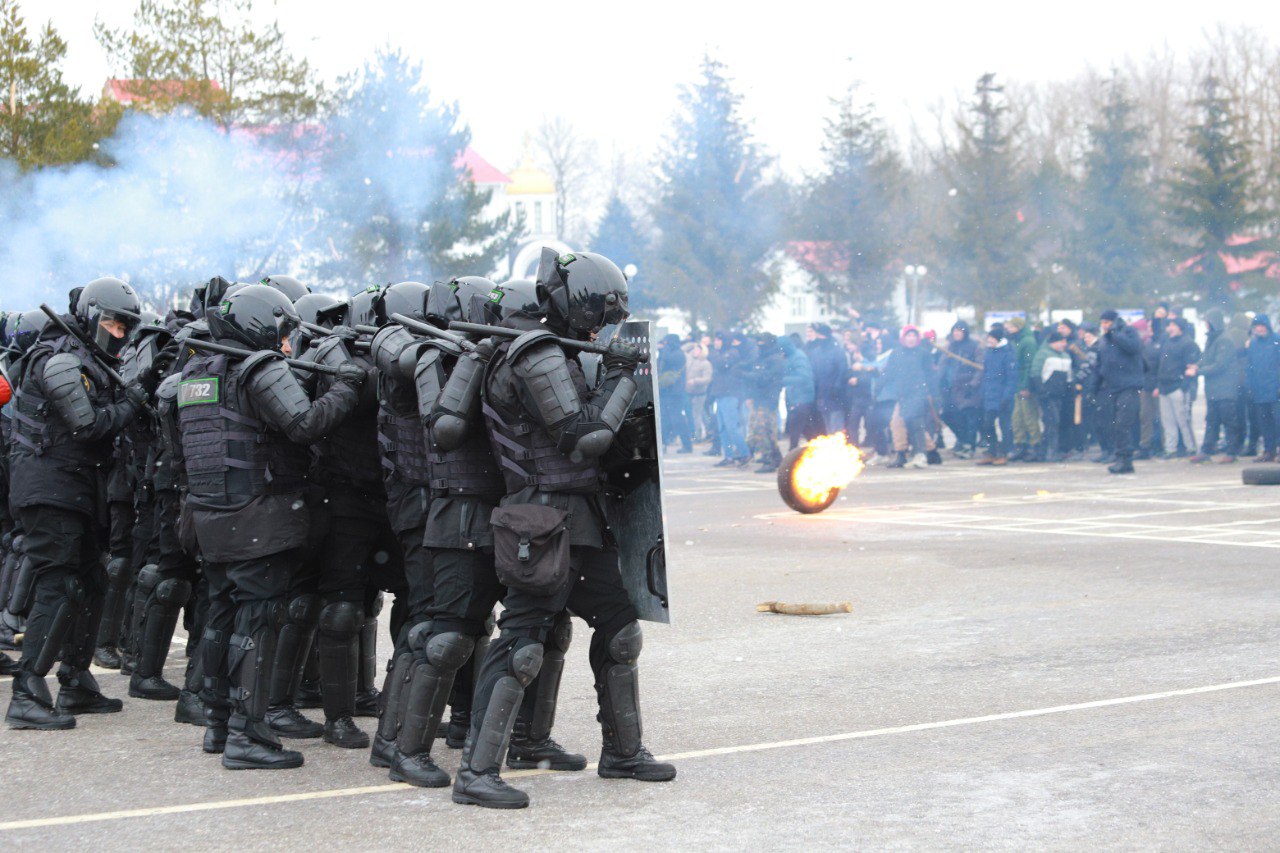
(614, 69)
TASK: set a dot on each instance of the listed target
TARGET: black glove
(485, 349)
(352, 373)
(621, 356)
(137, 396)
(637, 433)
(346, 333)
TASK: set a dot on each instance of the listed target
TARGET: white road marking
(186, 808)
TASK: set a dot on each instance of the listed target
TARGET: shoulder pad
(257, 359)
(67, 390)
(530, 340)
(329, 351)
(275, 390)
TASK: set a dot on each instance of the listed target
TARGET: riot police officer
(244, 424)
(549, 429)
(66, 414)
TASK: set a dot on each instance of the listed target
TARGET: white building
(528, 193)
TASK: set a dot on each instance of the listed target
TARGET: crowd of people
(264, 465)
(1109, 391)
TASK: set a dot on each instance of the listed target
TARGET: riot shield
(633, 490)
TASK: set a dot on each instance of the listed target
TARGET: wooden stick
(803, 609)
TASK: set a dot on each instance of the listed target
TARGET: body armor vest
(526, 452)
(37, 430)
(229, 455)
(469, 470)
(401, 439)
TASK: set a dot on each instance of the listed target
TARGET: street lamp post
(915, 272)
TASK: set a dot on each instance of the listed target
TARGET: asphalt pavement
(1041, 656)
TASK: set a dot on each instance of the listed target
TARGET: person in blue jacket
(1262, 376)
(798, 393)
(999, 390)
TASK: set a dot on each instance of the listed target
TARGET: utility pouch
(531, 547)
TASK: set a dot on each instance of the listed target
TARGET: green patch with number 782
(197, 392)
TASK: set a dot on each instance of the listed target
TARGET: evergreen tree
(852, 211)
(393, 195)
(986, 243)
(714, 228)
(1117, 245)
(618, 238)
(43, 121)
(1212, 198)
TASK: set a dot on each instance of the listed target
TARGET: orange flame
(828, 462)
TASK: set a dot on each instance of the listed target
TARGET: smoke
(181, 201)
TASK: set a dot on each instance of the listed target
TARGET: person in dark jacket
(728, 388)
(1262, 375)
(860, 394)
(1220, 365)
(675, 400)
(961, 389)
(803, 422)
(829, 374)
(999, 390)
(768, 370)
(1120, 378)
(906, 382)
(1178, 357)
(1051, 384)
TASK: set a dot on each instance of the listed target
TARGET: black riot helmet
(108, 301)
(288, 285)
(314, 308)
(257, 316)
(24, 329)
(584, 291)
(364, 310)
(452, 300)
(408, 298)
(518, 297)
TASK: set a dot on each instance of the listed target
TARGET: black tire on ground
(789, 497)
(1261, 475)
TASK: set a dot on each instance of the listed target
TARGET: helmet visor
(111, 330)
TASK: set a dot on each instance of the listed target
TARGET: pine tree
(986, 243)
(394, 199)
(1213, 198)
(714, 228)
(43, 121)
(618, 238)
(1117, 247)
(851, 210)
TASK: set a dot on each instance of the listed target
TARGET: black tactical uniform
(244, 424)
(66, 415)
(549, 428)
(359, 553)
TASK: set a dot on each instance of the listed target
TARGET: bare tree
(571, 159)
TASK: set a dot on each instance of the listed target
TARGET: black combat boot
(79, 694)
(339, 642)
(531, 742)
(32, 707)
(253, 746)
(623, 755)
(215, 733)
(526, 753)
(478, 782)
(393, 686)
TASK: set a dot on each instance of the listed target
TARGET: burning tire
(786, 486)
(810, 478)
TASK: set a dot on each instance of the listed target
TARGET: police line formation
(269, 462)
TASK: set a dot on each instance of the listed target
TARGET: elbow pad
(275, 390)
(594, 443)
(395, 351)
(65, 385)
(458, 404)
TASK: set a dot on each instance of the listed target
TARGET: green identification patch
(567, 259)
(197, 392)
(496, 295)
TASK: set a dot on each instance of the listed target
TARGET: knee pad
(341, 619)
(449, 651)
(561, 634)
(148, 577)
(304, 610)
(625, 646)
(375, 606)
(525, 663)
(116, 569)
(419, 635)
(173, 592)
